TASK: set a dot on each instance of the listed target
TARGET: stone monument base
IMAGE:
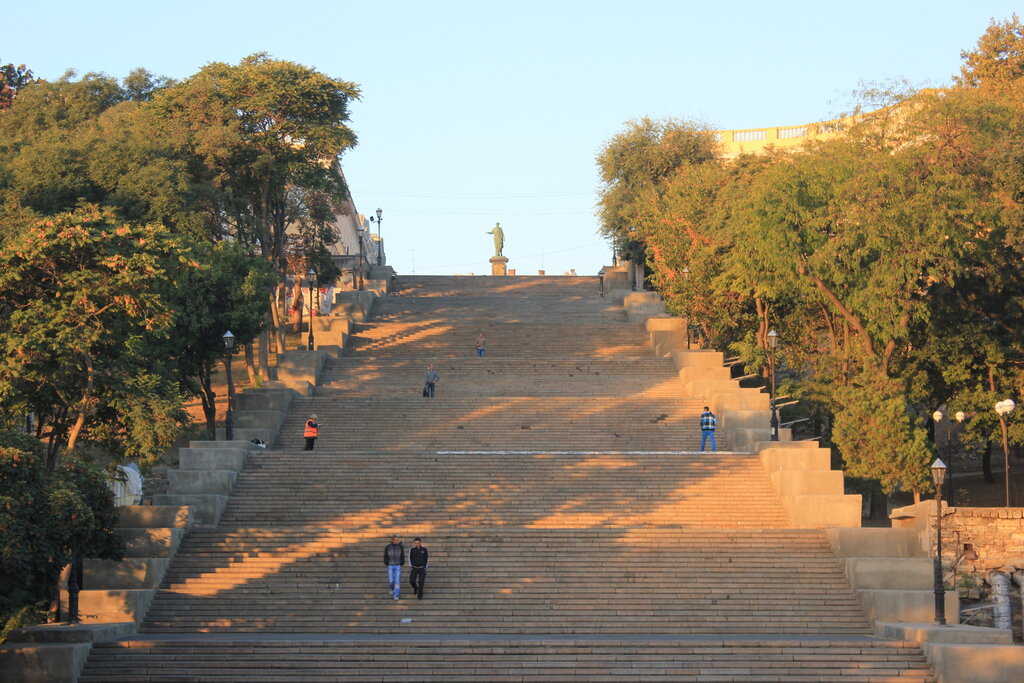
(499, 266)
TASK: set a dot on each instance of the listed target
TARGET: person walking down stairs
(419, 560)
(481, 345)
(430, 382)
(394, 558)
(311, 431)
(707, 428)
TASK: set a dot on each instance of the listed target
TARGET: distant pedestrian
(481, 345)
(707, 428)
(430, 382)
(311, 432)
(394, 558)
(419, 560)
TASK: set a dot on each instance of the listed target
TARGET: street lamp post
(1004, 408)
(380, 240)
(938, 475)
(310, 274)
(773, 342)
(359, 235)
(229, 417)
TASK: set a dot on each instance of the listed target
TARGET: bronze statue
(499, 239)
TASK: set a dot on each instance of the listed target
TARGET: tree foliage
(889, 258)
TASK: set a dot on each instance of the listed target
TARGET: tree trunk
(250, 363)
(265, 354)
(209, 398)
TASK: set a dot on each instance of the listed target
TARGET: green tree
(266, 129)
(12, 79)
(81, 296)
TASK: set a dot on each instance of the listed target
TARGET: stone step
(533, 659)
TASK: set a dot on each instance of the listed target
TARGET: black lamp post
(938, 476)
(380, 240)
(773, 342)
(310, 274)
(1004, 408)
(229, 418)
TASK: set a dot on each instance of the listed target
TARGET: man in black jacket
(418, 560)
(394, 558)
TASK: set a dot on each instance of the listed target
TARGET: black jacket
(418, 557)
(394, 553)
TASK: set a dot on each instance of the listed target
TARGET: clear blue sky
(476, 112)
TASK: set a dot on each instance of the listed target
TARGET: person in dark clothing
(394, 558)
(430, 382)
(419, 560)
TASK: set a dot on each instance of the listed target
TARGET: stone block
(876, 542)
(111, 605)
(949, 633)
(734, 398)
(616, 278)
(697, 358)
(960, 663)
(153, 516)
(643, 305)
(332, 350)
(823, 511)
(744, 439)
(264, 434)
(331, 329)
(294, 367)
(131, 572)
(250, 419)
(201, 481)
(158, 542)
(223, 443)
(778, 457)
(212, 458)
(42, 663)
(694, 376)
(264, 399)
(889, 573)
(206, 507)
(72, 633)
(808, 482)
(906, 605)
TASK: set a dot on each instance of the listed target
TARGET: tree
(998, 59)
(46, 519)
(266, 129)
(227, 292)
(12, 79)
(81, 296)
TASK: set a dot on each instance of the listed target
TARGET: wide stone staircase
(575, 532)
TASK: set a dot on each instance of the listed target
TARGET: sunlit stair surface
(576, 532)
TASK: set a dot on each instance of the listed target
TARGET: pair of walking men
(394, 558)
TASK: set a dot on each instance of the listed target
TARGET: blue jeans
(395, 578)
(429, 388)
(480, 352)
(705, 434)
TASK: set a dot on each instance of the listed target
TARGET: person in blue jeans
(394, 558)
(707, 428)
(481, 345)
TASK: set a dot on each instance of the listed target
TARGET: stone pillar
(499, 266)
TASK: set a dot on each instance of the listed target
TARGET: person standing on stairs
(481, 345)
(394, 558)
(419, 560)
(430, 382)
(311, 431)
(707, 428)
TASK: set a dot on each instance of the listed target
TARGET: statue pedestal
(499, 266)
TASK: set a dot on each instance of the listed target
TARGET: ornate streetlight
(380, 240)
(310, 274)
(1004, 408)
(938, 476)
(229, 418)
(773, 342)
